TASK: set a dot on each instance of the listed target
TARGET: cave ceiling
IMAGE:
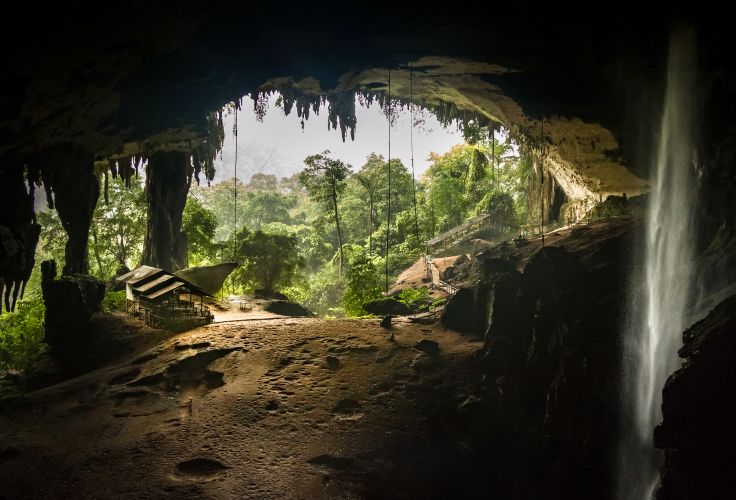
(145, 76)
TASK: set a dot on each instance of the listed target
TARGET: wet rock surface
(697, 431)
(549, 318)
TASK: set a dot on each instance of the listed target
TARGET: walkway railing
(433, 273)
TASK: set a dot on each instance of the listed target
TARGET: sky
(278, 145)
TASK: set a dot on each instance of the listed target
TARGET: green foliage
(116, 233)
(114, 301)
(498, 204)
(260, 202)
(118, 229)
(268, 261)
(324, 179)
(199, 224)
(412, 296)
(364, 284)
(326, 290)
(21, 336)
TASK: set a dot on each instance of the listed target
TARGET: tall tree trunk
(337, 223)
(167, 184)
(370, 224)
(97, 249)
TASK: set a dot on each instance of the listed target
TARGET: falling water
(659, 305)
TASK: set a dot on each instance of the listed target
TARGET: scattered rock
(201, 467)
(429, 346)
(333, 362)
(286, 308)
(347, 406)
(389, 305)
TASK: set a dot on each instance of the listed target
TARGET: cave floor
(280, 408)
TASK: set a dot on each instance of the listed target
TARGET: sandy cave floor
(279, 408)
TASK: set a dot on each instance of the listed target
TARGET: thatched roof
(208, 278)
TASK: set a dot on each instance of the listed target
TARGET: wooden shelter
(163, 299)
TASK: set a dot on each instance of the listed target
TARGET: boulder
(429, 346)
(269, 295)
(287, 308)
(389, 305)
(70, 302)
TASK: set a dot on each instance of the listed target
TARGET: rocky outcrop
(698, 430)
(287, 308)
(551, 348)
(70, 302)
(389, 305)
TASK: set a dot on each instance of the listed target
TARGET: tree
(220, 199)
(262, 182)
(324, 179)
(363, 285)
(269, 261)
(369, 178)
(199, 224)
(118, 228)
(265, 207)
(498, 204)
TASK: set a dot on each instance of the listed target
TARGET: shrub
(21, 336)
(413, 297)
(363, 285)
(114, 301)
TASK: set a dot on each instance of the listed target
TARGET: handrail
(430, 267)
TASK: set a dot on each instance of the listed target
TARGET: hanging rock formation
(73, 188)
(19, 235)
(168, 176)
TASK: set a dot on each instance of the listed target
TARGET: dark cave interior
(534, 409)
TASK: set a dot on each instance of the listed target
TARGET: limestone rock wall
(698, 431)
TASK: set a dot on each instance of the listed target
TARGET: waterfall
(661, 289)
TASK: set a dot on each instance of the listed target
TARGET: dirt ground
(271, 408)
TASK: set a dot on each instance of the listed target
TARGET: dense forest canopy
(299, 215)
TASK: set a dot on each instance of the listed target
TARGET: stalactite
(74, 195)
(341, 111)
(18, 231)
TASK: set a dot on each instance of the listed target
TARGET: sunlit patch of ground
(279, 408)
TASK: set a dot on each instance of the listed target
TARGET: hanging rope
(411, 146)
(388, 224)
(493, 156)
(541, 186)
(235, 184)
